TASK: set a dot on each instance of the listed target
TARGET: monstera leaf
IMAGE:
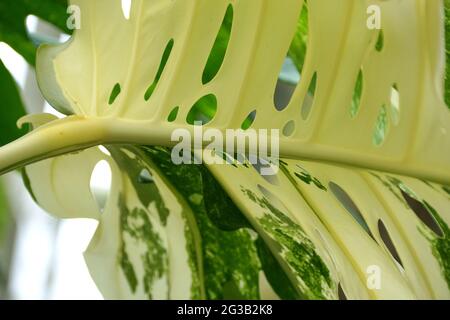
(359, 207)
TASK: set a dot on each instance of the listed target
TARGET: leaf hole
(308, 101)
(357, 92)
(283, 94)
(126, 8)
(145, 177)
(380, 41)
(384, 234)
(219, 48)
(298, 48)
(203, 111)
(395, 104)
(423, 214)
(381, 126)
(114, 93)
(173, 114)
(341, 293)
(162, 66)
(289, 75)
(347, 202)
(104, 150)
(248, 121)
(289, 128)
(100, 183)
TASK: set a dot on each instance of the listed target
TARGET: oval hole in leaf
(283, 94)
(203, 111)
(219, 48)
(126, 8)
(395, 104)
(384, 234)
(114, 93)
(104, 150)
(173, 114)
(381, 127)
(249, 120)
(350, 206)
(380, 41)
(357, 92)
(273, 200)
(264, 164)
(423, 214)
(289, 75)
(309, 97)
(100, 183)
(162, 66)
(341, 293)
(289, 128)
(145, 177)
(298, 48)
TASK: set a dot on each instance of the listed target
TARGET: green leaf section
(221, 254)
(142, 232)
(297, 50)
(225, 251)
(279, 281)
(13, 32)
(440, 245)
(219, 48)
(11, 107)
(447, 53)
(205, 109)
(12, 22)
(137, 225)
(219, 206)
(147, 191)
(164, 59)
(296, 249)
(229, 257)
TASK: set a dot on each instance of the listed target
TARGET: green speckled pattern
(313, 276)
(136, 224)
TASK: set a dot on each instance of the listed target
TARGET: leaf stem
(56, 138)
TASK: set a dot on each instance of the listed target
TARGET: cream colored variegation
(327, 142)
(80, 75)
